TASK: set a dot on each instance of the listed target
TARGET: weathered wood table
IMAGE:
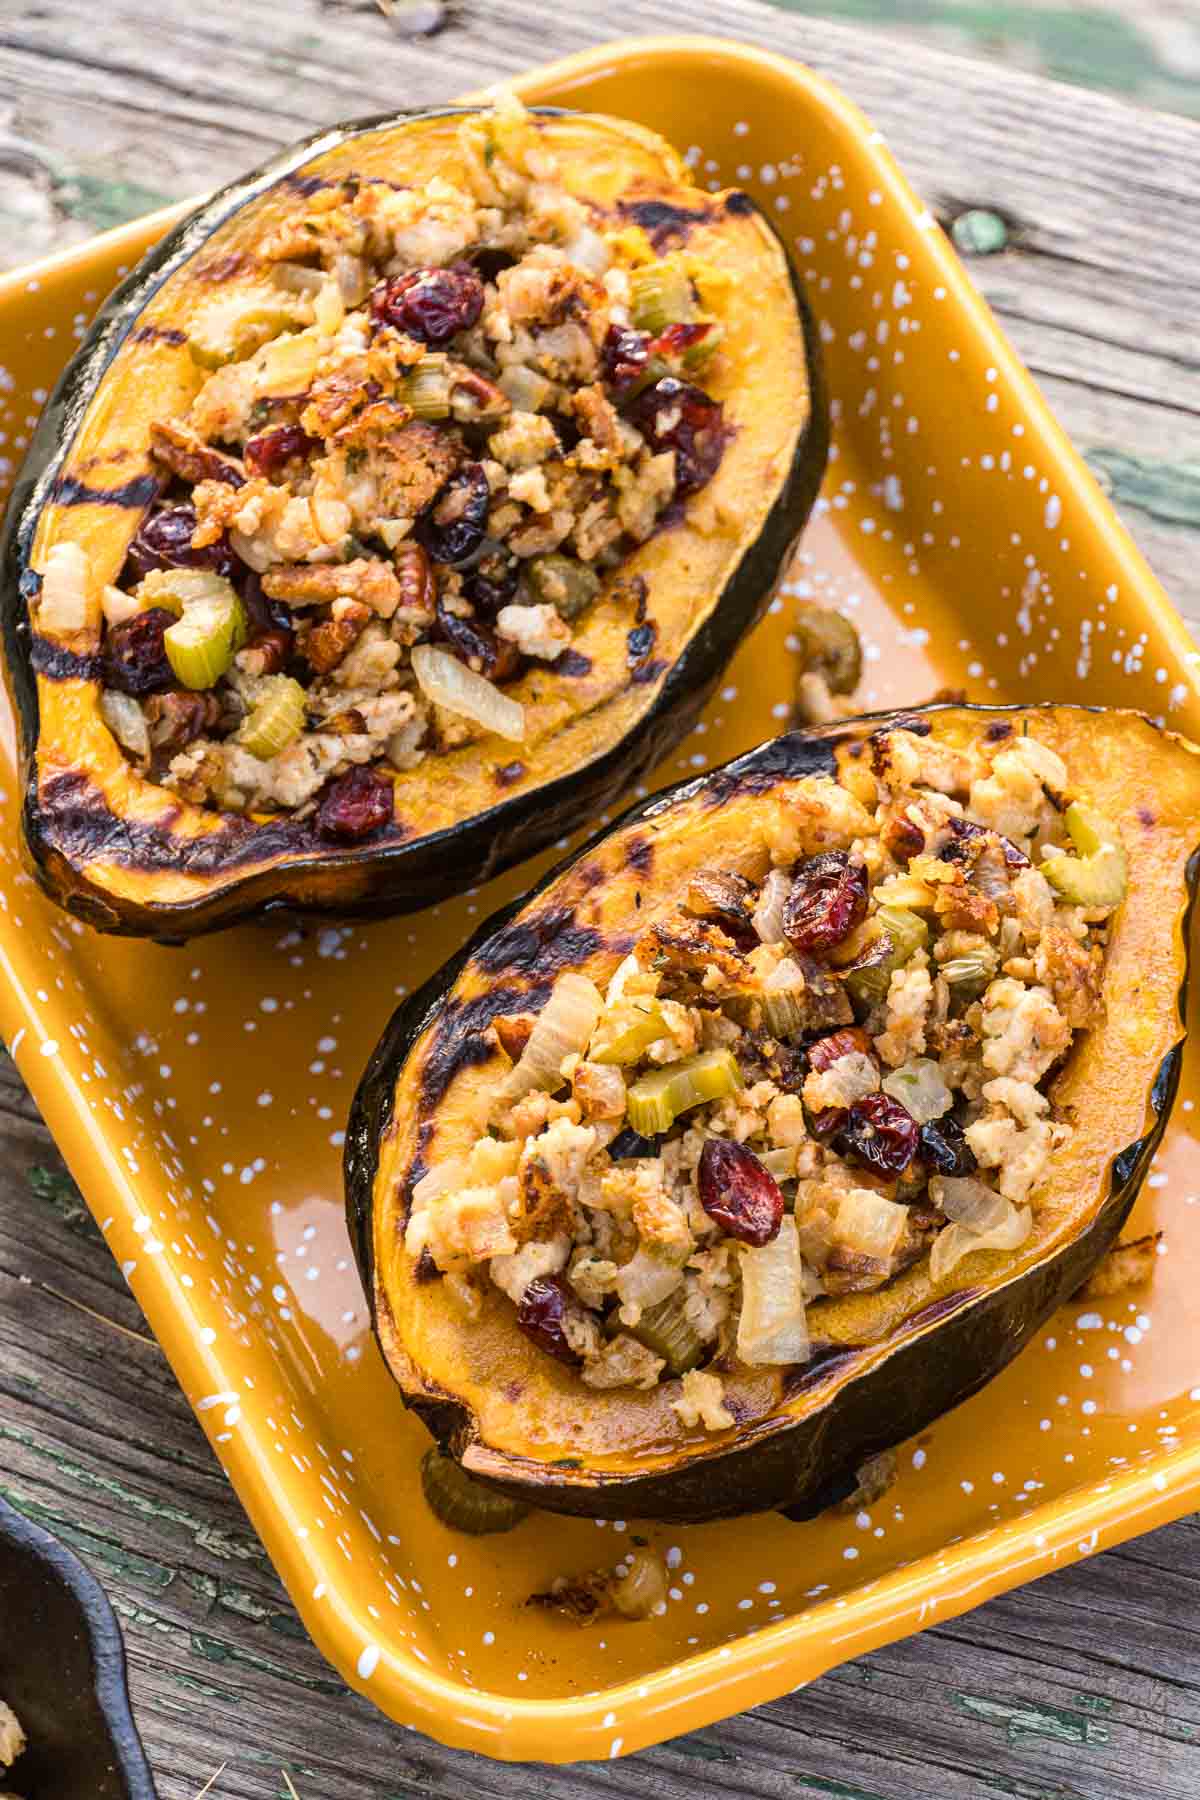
(1083, 1687)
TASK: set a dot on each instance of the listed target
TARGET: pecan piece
(189, 457)
(329, 642)
(175, 719)
(368, 580)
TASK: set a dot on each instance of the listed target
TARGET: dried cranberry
(945, 1149)
(1013, 858)
(431, 305)
(493, 582)
(879, 1132)
(674, 415)
(271, 626)
(135, 661)
(629, 1142)
(263, 613)
(738, 1193)
(968, 841)
(163, 540)
(821, 1055)
(455, 525)
(355, 805)
(623, 357)
(477, 645)
(902, 838)
(542, 1314)
(677, 339)
(640, 643)
(426, 1269)
(267, 453)
(828, 899)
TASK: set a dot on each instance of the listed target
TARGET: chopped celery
(661, 295)
(668, 1332)
(656, 1101)
(463, 1503)
(202, 644)
(633, 1036)
(276, 720)
(563, 583)
(785, 1002)
(906, 934)
(698, 355)
(974, 968)
(177, 589)
(233, 327)
(427, 388)
(1099, 871)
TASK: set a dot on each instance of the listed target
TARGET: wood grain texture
(1083, 1687)
(1099, 287)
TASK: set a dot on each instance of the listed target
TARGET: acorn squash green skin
(396, 872)
(963, 1338)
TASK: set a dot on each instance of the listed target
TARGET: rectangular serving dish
(198, 1093)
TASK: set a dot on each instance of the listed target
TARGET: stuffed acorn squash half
(400, 509)
(778, 1120)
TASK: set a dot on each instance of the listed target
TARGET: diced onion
(118, 606)
(353, 278)
(780, 1163)
(64, 602)
(628, 966)
(768, 914)
(969, 1202)
(870, 1223)
(527, 390)
(773, 1328)
(648, 1277)
(127, 722)
(297, 277)
(588, 251)
(919, 1087)
(449, 683)
(956, 1241)
(562, 1029)
(445, 1178)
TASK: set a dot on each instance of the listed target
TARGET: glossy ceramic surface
(199, 1094)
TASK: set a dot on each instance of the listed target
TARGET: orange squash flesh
(891, 1360)
(132, 856)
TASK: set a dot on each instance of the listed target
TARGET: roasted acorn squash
(886, 1362)
(117, 847)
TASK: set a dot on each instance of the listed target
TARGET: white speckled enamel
(200, 1093)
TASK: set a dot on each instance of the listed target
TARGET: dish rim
(711, 1684)
(110, 1682)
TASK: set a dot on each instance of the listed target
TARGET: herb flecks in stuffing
(809, 1073)
(428, 432)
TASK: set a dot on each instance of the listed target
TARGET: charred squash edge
(388, 878)
(769, 1469)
